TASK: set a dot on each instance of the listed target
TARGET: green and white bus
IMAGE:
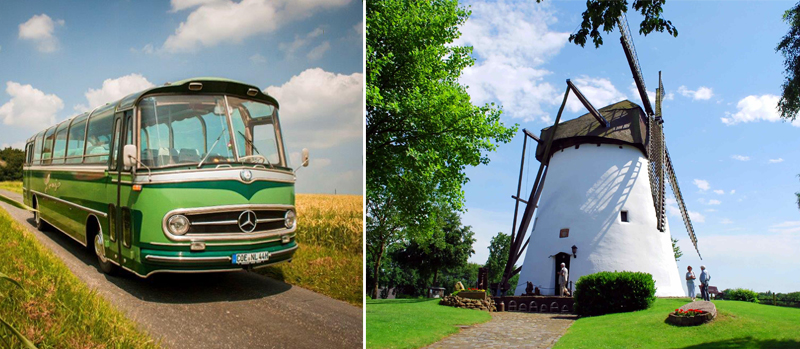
(187, 177)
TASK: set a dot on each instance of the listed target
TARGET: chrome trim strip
(105, 215)
(187, 271)
(288, 250)
(211, 243)
(214, 174)
(70, 168)
(215, 223)
(187, 259)
(230, 236)
(65, 233)
(269, 220)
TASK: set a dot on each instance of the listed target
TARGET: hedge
(740, 294)
(614, 292)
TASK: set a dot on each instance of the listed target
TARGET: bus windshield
(206, 129)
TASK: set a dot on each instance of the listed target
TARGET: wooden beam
(529, 134)
(603, 122)
(519, 199)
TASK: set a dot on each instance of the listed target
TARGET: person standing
(705, 276)
(563, 278)
(690, 282)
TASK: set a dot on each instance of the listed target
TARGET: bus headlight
(178, 224)
(289, 219)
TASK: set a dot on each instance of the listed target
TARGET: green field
(413, 323)
(56, 310)
(329, 260)
(738, 325)
(15, 186)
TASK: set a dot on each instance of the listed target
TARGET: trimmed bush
(740, 294)
(614, 292)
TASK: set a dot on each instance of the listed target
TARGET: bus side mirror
(305, 157)
(129, 155)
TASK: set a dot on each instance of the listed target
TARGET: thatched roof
(628, 126)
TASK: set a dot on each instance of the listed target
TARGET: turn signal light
(137, 187)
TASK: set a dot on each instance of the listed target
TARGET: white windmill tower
(605, 174)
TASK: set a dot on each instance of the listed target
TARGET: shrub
(614, 292)
(740, 294)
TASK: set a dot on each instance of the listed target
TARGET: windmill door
(561, 257)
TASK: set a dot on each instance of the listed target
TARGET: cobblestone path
(511, 330)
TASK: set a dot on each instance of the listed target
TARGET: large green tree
(422, 129)
(603, 15)
(498, 256)
(789, 47)
(449, 247)
(11, 161)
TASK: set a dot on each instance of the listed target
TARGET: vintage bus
(187, 177)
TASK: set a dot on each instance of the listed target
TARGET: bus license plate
(250, 258)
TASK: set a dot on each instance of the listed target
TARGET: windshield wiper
(209, 150)
(254, 148)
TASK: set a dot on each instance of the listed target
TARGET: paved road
(511, 330)
(222, 310)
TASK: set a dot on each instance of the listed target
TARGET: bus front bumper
(211, 261)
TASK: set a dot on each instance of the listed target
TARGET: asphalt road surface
(220, 310)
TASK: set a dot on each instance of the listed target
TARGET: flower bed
(692, 315)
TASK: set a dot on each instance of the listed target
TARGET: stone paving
(511, 330)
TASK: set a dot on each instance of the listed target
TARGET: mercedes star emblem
(247, 221)
(246, 175)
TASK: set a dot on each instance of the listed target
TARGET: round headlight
(289, 219)
(178, 224)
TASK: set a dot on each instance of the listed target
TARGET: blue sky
(58, 58)
(737, 164)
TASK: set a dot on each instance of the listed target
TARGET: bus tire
(96, 243)
(40, 224)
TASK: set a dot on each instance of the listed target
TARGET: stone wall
(460, 302)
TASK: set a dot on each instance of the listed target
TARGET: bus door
(120, 215)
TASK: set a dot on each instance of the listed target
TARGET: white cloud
(713, 202)
(29, 107)
(697, 217)
(321, 109)
(359, 28)
(178, 5)
(775, 161)
(600, 92)
(733, 191)
(711, 210)
(39, 29)
(702, 184)
(740, 157)
(317, 52)
(756, 108)
(719, 191)
(702, 93)
(726, 221)
(300, 41)
(214, 22)
(510, 41)
(258, 59)
(787, 227)
(114, 89)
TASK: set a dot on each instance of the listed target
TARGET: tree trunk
(435, 276)
(377, 271)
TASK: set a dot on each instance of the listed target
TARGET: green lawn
(56, 309)
(413, 323)
(738, 325)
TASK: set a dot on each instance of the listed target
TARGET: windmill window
(564, 233)
(623, 215)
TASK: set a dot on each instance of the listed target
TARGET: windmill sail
(676, 190)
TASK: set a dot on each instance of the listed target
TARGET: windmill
(599, 198)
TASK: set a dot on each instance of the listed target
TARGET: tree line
(11, 161)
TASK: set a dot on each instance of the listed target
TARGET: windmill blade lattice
(676, 190)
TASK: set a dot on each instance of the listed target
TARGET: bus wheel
(100, 251)
(41, 225)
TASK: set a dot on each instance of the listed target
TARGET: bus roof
(210, 85)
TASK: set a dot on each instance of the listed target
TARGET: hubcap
(99, 249)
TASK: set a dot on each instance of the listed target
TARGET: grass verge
(56, 309)
(413, 323)
(738, 325)
(15, 186)
(329, 260)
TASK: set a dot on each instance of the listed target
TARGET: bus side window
(115, 145)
